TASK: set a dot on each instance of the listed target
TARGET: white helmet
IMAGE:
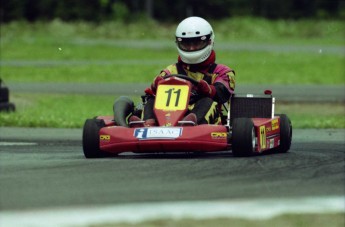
(194, 39)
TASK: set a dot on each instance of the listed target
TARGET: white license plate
(157, 133)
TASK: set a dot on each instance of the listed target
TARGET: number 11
(169, 92)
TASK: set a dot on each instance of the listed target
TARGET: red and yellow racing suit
(206, 109)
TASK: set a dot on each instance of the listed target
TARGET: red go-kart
(249, 126)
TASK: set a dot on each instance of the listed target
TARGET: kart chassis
(249, 126)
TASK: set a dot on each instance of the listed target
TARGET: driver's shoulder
(170, 69)
(222, 69)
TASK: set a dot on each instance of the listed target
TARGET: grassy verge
(330, 220)
(260, 51)
(70, 111)
(128, 65)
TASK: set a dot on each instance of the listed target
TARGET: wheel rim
(253, 139)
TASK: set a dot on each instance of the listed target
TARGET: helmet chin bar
(195, 57)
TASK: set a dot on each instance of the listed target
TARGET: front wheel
(91, 138)
(243, 137)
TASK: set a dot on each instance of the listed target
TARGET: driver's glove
(206, 89)
(155, 83)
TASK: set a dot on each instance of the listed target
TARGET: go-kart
(248, 126)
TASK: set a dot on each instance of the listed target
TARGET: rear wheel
(285, 134)
(91, 138)
(243, 137)
(123, 106)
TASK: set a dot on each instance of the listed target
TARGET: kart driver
(195, 41)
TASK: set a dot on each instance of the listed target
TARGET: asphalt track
(45, 168)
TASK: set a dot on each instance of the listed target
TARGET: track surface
(49, 170)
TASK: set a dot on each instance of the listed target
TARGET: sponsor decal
(271, 143)
(218, 135)
(275, 124)
(104, 137)
(263, 137)
(157, 133)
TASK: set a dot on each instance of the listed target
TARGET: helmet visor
(193, 44)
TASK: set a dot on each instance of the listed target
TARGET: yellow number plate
(171, 97)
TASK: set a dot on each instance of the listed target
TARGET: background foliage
(167, 10)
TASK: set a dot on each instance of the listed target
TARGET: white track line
(4, 144)
(135, 213)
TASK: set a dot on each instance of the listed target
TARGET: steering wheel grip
(193, 81)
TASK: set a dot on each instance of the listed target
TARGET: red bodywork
(206, 138)
(168, 137)
(267, 132)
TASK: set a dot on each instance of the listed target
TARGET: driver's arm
(224, 86)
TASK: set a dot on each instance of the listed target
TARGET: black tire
(4, 94)
(91, 138)
(243, 137)
(285, 134)
(123, 106)
(7, 107)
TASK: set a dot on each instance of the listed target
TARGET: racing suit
(205, 108)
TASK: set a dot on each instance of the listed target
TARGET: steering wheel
(190, 79)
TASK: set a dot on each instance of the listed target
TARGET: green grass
(314, 115)
(70, 111)
(232, 29)
(260, 51)
(125, 65)
(59, 111)
(287, 220)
